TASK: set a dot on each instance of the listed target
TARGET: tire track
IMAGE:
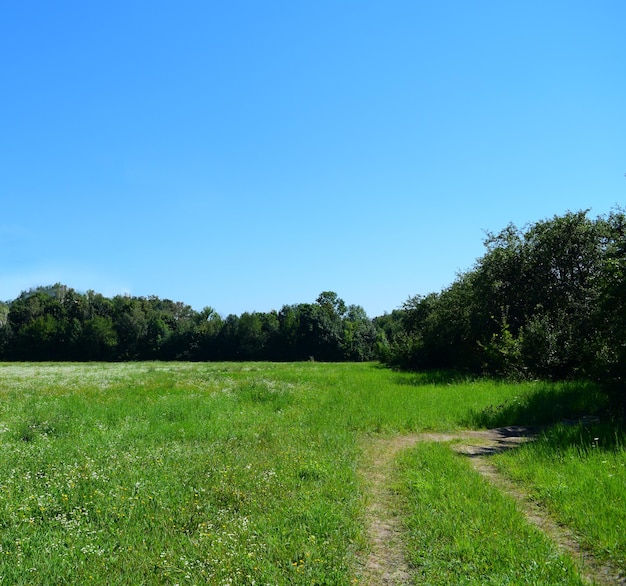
(386, 562)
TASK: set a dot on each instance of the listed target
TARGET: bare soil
(386, 562)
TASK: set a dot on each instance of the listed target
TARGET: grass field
(247, 473)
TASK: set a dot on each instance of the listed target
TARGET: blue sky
(245, 155)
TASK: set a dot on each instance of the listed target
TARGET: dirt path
(386, 564)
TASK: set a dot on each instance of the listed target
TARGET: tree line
(59, 323)
(545, 301)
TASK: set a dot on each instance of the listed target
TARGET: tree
(332, 304)
(359, 335)
(612, 353)
(288, 334)
(130, 325)
(99, 339)
(36, 319)
(311, 330)
(544, 301)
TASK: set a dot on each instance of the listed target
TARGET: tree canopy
(58, 323)
(546, 301)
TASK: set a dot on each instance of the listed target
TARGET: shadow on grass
(569, 414)
(433, 377)
(545, 404)
(587, 436)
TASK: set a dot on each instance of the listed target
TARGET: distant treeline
(58, 323)
(545, 301)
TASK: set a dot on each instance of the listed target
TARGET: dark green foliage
(99, 338)
(57, 323)
(548, 301)
(359, 335)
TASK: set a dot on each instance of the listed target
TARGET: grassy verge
(463, 531)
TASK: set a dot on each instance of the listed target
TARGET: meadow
(249, 473)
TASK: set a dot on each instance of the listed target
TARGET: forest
(58, 323)
(544, 301)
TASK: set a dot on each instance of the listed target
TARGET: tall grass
(541, 403)
(164, 473)
(463, 531)
(579, 472)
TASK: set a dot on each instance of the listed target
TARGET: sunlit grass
(579, 472)
(464, 531)
(161, 474)
(165, 473)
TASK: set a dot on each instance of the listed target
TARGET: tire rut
(386, 563)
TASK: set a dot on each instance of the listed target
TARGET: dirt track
(386, 564)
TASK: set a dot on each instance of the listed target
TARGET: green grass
(464, 531)
(579, 472)
(157, 474)
(166, 473)
(539, 404)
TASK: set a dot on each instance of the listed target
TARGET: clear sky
(248, 154)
